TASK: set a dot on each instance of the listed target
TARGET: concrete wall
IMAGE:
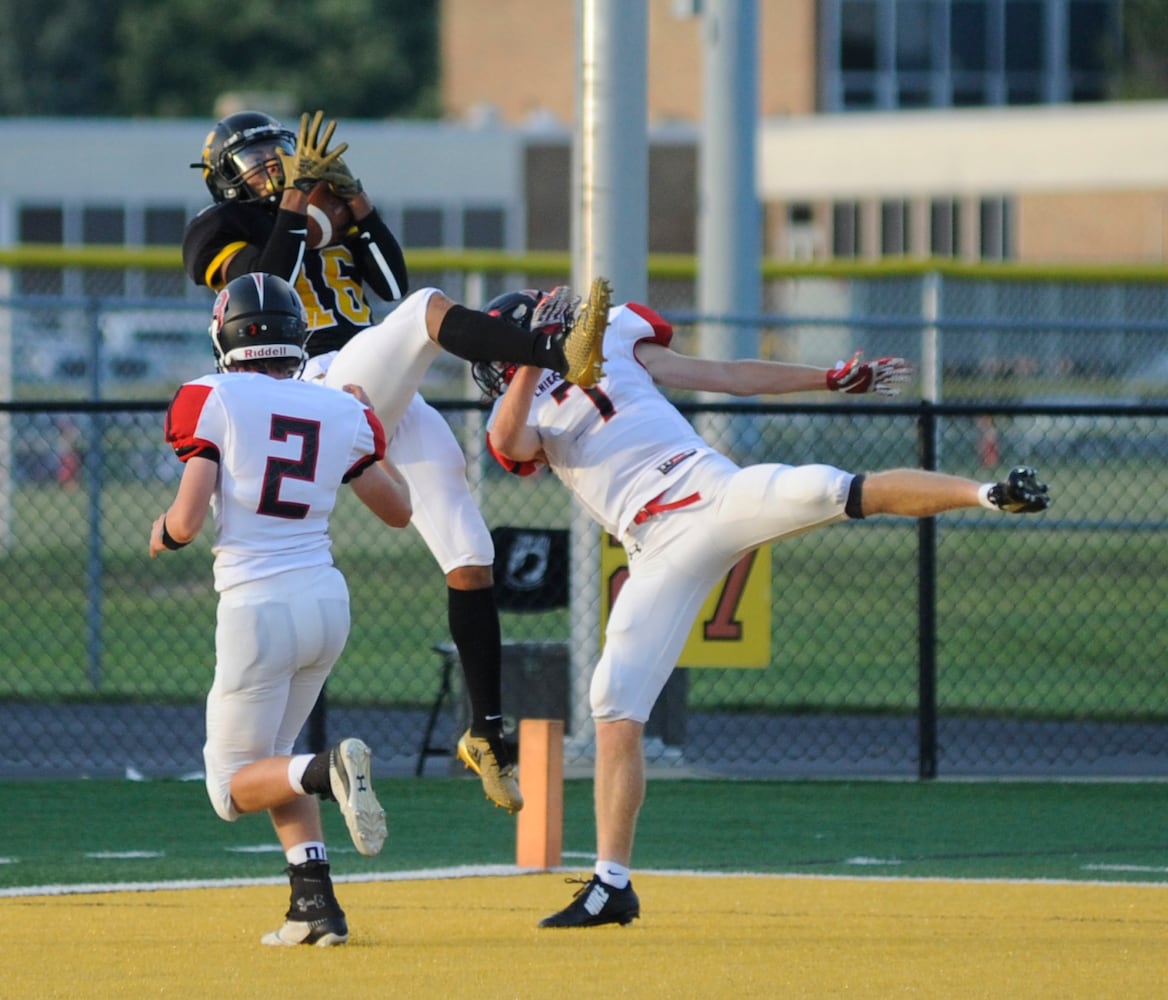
(136, 163)
(1085, 183)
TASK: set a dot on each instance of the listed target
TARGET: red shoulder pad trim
(182, 419)
(662, 328)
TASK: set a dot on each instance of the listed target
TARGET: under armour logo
(306, 903)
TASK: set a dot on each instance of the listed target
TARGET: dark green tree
(174, 58)
(1145, 63)
(354, 58)
(54, 57)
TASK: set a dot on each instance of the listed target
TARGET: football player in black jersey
(259, 174)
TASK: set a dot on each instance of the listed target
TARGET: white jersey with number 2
(283, 447)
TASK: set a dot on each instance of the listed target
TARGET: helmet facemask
(254, 161)
(493, 377)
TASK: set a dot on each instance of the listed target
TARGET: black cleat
(314, 916)
(596, 903)
(1021, 493)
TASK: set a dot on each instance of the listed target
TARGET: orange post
(540, 833)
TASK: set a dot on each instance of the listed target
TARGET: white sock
(983, 496)
(310, 850)
(296, 767)
(610, 873)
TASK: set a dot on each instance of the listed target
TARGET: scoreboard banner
(734, 626)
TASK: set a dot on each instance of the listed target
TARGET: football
(328, 217)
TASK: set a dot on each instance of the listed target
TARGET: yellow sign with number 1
(734, 627)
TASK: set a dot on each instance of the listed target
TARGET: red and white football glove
(556, 311)
(884, 375)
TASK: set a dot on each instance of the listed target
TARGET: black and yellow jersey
(331, 281)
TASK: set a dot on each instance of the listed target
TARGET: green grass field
(71, 832)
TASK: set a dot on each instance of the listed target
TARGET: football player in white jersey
(685, 514)
(267, 453)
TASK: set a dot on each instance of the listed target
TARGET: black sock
(316, 776)
(474, 627)
(313, 897)
(854, 506)
(477, 336)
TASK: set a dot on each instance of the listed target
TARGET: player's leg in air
(424, 450)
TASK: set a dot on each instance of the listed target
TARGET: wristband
(169, 542)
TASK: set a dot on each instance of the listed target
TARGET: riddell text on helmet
(263, 352)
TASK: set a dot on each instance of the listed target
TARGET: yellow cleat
(583, 346)
(491, 761)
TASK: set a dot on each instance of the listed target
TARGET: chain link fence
(969, 644)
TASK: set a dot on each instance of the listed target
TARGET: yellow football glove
(340, 178)
(305, 167)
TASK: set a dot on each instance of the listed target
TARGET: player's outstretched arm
(755, 377)
(746, 377)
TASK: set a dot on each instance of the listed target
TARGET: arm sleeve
(283, 253)
(379, 257)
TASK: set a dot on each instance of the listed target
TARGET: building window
(1025, 51)
(996, 236)
(102, 225)
(40, 224)
(802, 235)
(1092, 40)
(858, 42)
(163, 227)
(939, 53)
(422, 227)
(945, 228)
(484, 228)
(895, 228)
(846, 229)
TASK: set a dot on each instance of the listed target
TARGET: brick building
(967, 128)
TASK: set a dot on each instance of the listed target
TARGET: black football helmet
(257, 317)
(237, 146)
(517, 308)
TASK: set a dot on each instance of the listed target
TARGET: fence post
(927, 610)
(929, 456)
(94, 464)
